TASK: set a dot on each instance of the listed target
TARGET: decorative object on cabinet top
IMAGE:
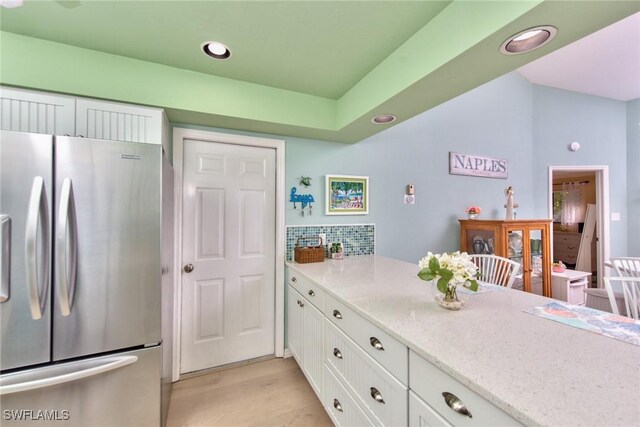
(473, 212)
(510, 205)
(305, 254)
(447, 272)
(336, 250)
(558, 267)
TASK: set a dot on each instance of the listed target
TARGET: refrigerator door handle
(66, 239)
(34, 384)
(5, 257)
(37, 278)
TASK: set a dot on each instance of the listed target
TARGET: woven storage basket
(306, 254)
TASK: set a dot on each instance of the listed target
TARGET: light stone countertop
(539, 371)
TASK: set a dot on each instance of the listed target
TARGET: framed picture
(347, 195)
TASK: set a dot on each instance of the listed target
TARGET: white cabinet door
(118, 122)
(295, 321)
(313, 345)
(36, 112)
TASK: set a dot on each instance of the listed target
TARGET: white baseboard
(287, 353)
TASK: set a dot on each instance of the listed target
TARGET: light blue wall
(493, 120)
(599, 125)
(508, 118)
(633, 176)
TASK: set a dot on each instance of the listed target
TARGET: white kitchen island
(538, 371)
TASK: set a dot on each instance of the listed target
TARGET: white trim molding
(179, 135)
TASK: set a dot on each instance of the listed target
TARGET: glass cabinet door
(515, 250)
(480, 241)
(535, 263)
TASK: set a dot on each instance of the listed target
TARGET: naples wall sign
(469, 164)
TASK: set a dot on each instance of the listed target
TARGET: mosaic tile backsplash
(357, 239)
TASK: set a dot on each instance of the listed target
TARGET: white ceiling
(605, 63)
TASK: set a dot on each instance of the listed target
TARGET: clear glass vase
(453, 299)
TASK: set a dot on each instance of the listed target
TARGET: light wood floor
(268, 393)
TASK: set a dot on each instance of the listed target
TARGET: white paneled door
(228, 277)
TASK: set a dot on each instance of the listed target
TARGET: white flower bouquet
(449, 270)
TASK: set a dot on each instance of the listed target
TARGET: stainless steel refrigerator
(82, 280)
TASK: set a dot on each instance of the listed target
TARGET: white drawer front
(366, 378)
(429, 382)
(313, 293)
(339, 405)
(423, 415)
(386, 350)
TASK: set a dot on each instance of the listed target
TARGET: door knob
(188, 268)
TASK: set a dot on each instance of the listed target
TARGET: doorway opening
(579, 206)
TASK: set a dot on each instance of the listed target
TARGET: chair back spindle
(496, 269)
(630, 291)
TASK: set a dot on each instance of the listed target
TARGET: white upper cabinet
(40, 112)
(36, 112)
(118, 122)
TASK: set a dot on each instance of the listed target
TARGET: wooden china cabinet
(524, 240)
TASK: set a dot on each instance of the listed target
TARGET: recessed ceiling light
(384, 119)
(216, 50)
(529, 39)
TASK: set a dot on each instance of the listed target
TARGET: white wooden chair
(626, 266)
(496, 269)
(631, 292)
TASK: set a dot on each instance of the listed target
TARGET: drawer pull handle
(293, 279)
(301, 303)
(337, 405)
(311, 293)
(456, 404)
(375, 343)
(337, 353)
(337, 314)
(376, 395)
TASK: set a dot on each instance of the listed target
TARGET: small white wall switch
(409, 199)
(323, 237)
(615, 216)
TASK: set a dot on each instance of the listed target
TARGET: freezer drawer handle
(5, 261)
(66, 237)
(110, 365)
(37, 220)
